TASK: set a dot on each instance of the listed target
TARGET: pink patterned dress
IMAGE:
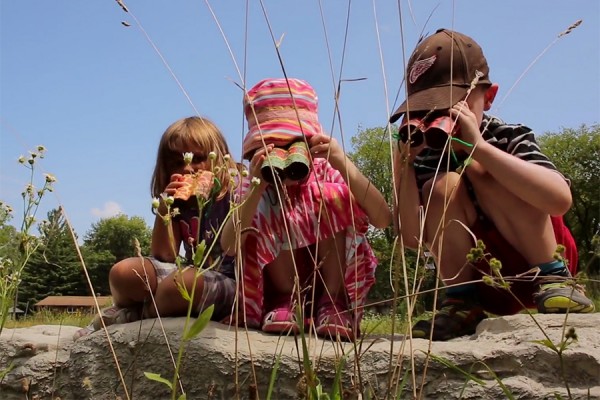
(307, 223)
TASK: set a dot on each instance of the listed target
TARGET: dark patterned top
(214, 215)
(517, 140)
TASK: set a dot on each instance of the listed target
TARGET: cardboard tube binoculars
(433, 131)
(292, 163)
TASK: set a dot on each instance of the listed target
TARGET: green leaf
(273, 377)
(200, 323)
(183, 291)
(6, 370)
(336, 394)
(402, 384)
(156, 377)
(199, 254)
(546, 342)
(449, 364)
(182, 397)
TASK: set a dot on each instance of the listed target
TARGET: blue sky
(97, 95)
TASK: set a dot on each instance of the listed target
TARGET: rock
(221, 363)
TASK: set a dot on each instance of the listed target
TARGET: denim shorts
(219, 289)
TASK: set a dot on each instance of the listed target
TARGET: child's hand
(256, 162)
(323, 146)
(469, 128)
(175, 183)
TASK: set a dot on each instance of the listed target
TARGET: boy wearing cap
(488, 182)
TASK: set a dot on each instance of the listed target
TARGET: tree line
(56, 268)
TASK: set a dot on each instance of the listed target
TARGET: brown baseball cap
(440, 72)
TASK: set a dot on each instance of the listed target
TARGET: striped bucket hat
(280, 112)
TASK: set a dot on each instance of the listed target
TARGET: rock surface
(223, 364)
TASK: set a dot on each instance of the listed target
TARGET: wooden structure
(72, 304)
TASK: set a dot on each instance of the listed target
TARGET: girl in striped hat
(303, 224)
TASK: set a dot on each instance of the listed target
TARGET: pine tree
(54, 270)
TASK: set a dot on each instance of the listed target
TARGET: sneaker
(115, 315)
(454, 318)
(334, 320)
(111, 315)
(83, 332)
(281, 319)
(562, 297)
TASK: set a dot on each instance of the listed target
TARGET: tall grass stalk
(11, 266)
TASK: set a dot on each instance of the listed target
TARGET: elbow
(383, 220)
(561, 204)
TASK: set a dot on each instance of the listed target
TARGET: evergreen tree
(54, 270)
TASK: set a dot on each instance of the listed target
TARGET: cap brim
(437, 98)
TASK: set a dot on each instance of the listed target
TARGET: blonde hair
(195, 132)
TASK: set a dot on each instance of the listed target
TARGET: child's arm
(163, 247)
(366, 194)
(541, 187)
(406, 197)
(243, 216)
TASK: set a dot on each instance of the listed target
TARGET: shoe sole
(561, 305)
(334, 332)
(281, 327)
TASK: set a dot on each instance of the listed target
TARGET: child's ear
(489, 96)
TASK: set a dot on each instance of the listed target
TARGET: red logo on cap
(419, 67)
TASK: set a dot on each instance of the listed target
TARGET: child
(303, 226)
(492, 181)
(132, 279)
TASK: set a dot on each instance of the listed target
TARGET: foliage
(98, 263)
(50, 317)
(117, 234)
(109, 241)
(9, 246)
(575, 152)
(54, 269)
(16, 252)
(372, 156)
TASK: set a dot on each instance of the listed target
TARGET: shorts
(219, 289)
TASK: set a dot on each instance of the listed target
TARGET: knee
(129, 273)
(441, 190)
(121, 273)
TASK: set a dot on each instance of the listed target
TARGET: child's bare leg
(131, 281)
(168, 298)
(526, 228)
(281, 272)
(449, 241)
(334, 320)
(331, 254)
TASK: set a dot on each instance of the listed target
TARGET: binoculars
(433, 130)
(292, 163)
